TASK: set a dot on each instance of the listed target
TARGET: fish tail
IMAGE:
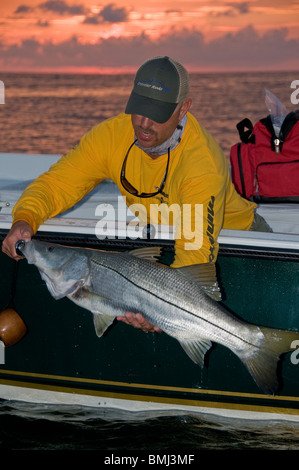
(262, 365)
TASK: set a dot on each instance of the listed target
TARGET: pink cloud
(245, 49)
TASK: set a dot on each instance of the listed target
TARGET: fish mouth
(25, 250)
(20, 247)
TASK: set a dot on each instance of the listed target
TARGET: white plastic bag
(277, 110)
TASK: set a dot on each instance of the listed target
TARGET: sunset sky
(103, 36)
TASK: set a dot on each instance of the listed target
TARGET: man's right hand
(19, 231)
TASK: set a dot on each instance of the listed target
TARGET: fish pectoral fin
(205, 275)
(151, 253)
(94, 303)
(102, 322)
(196, 349)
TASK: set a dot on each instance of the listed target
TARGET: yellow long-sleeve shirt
(200, 197)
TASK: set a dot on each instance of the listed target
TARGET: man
(159, 156)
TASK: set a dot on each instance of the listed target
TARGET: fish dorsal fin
(205, 275)
(150, 253)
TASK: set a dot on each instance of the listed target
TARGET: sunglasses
(128, 187)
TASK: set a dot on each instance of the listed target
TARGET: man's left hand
(138, 321)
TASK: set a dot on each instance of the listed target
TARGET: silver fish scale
(110, 284)
(164, 296)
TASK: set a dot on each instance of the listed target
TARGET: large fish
(182, 302)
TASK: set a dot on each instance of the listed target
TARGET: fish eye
(50, 248)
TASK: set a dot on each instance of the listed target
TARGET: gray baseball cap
(160, 84)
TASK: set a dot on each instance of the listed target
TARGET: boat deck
(19, 170)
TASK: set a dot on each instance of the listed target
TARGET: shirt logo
(210, 229)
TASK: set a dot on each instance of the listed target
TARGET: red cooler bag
(264, 166)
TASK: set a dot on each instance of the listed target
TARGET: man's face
(150, 133)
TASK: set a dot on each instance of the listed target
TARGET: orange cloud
(77, 33)
(243, 50)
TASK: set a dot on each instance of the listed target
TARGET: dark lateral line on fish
(173, 305)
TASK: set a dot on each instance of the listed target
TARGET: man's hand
(19, 231)
(138, 321)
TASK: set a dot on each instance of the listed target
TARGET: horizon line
(132, 70)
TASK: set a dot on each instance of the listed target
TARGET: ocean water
(49, 114)
(51, 427)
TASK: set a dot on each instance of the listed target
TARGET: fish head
(64, 269)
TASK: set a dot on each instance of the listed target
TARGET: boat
(60, 360)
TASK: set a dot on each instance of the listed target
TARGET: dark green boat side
(61, 360)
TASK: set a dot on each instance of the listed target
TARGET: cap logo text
(153, 84)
